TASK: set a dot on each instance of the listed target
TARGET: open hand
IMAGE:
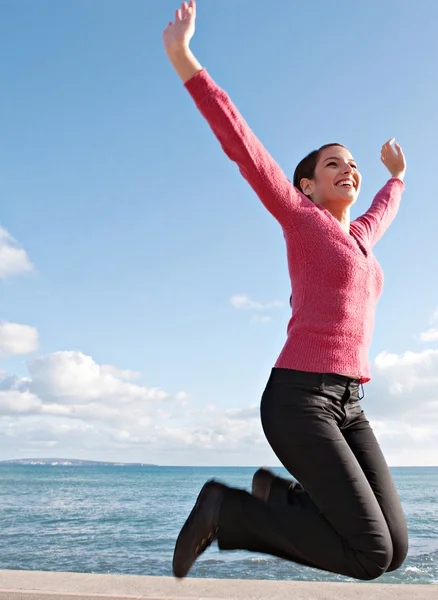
(393, 158)
(178, 33)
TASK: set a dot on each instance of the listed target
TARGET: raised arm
(239, 143)
(373, 224)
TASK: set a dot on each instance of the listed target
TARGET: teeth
(345, 183)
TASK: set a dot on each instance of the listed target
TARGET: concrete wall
(36, 585)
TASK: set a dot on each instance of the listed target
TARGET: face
(336, 180)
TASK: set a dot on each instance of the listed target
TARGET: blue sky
(140, 231)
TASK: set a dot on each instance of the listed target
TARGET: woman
(345, 515)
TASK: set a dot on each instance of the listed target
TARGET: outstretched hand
(178, 33)
(393, 158)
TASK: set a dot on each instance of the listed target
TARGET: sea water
(125, 520)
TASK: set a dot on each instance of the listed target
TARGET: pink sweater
(335, 283)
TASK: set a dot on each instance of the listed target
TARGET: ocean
(125, 519)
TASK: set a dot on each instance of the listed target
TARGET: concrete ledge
(37, 585)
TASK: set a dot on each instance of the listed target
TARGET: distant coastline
(70, 462)
(74, 462)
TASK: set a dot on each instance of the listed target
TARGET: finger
(400, 153)
(192, 5)
(184, 7)
(178, 15)
(390, 148)
(388, 143)
(190, 10)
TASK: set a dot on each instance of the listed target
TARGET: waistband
(317, 379)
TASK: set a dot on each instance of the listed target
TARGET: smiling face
(336, 179)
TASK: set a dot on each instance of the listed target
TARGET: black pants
(345, 517)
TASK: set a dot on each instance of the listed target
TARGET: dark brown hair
(306, 167)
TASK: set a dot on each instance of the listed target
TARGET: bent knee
(400, 552)
(375, 562)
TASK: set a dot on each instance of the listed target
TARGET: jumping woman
(344, 515)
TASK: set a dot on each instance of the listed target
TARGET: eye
(332, 163)
(353, 165)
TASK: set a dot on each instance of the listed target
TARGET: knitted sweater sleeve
(240, 144)
(373, 224)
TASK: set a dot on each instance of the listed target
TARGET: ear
(307, 185)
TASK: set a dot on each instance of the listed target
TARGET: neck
(341, 213)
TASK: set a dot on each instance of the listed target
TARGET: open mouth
(346, 183)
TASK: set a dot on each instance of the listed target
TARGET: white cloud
(411, 370)
(407, 445)
(13, 258)
(121, 373)
(71, 406)
(431, 335)
(182, 398)
(18, 402)
(261, 319)
(402, 405)
(17, 339)
(245, 303)
(73, 377)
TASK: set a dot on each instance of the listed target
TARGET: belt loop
(321, 381)
(362, 390)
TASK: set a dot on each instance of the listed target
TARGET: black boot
(200, 529)
(269, 487)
